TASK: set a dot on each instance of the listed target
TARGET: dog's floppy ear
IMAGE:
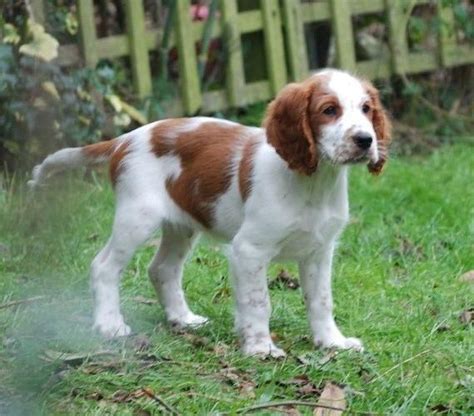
(382, 127)
(288, 128)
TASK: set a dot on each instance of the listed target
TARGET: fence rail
(285, 53)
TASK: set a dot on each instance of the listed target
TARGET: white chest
(313, 229)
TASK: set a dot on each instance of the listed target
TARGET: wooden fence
(282, 23)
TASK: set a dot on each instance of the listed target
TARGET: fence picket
(295, 42)
(398, 14)
(268, 16)
(87, 32)
(189, 79)
(233, 49)
(37, 8)
(274, 44)
(342, 28)
(135, 18)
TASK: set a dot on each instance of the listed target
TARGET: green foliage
(463, 15)
(42, 107)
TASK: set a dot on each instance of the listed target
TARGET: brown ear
(288, 127)
(382, 127)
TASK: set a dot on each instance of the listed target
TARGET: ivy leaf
(42, 45)
(51, 89)
(121, 106)
(11, 34)
(72, 24)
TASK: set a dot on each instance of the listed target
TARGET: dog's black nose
(362, 140)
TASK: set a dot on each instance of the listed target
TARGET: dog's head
(333, 116)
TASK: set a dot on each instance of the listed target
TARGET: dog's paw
(112, 328)
(190, 320)
(340, 342)
(263, 350)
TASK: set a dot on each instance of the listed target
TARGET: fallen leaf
(230, 374)
(443, 327)
(466, 316)
(122, 396)
(308, 390)
(441, 408)
(95, 396)
(298, 380)
(331, 354)
(467, 277)
(92, 237)
(285, 280)
(145, 301)
(239, 380)
(141, 343)
(246, 389)
(304, 384)
(221, 348)
(287, 410)
(72, 358)
(196, 340)
(332, 396)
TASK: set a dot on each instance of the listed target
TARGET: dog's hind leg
(134, 223)
(166, 272)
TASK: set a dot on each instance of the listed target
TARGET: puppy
(273, 193)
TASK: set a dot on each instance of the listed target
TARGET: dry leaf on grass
(145, 301)
(285, 280)
(196, 340)
(73, 358)
(466, 317)
(467, 277)
(141, 342)
(298, 380)
(221, 348)
(332, 396)
(247, 389)
(238, 379)
(441, 408)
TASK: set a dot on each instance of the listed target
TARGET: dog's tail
(74, 157)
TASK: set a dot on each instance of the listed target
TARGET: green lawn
(396, 286)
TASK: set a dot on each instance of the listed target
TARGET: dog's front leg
(315, 274)
(248, 266)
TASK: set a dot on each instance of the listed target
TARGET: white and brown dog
(277, 192)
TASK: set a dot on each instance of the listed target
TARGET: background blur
(77, 71)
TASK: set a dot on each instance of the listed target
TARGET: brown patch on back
(246, 167)
(206, 155)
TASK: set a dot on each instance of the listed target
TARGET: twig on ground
(398, 365)
(145, 301)
(295, 403)
(159, 400)
(21, 301)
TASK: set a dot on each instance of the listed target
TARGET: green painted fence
(282, 23)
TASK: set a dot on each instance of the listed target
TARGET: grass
(396, 282)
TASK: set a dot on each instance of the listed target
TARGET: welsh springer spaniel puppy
(274, 193)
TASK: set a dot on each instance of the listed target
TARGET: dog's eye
(330, 111)
(365, 108)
